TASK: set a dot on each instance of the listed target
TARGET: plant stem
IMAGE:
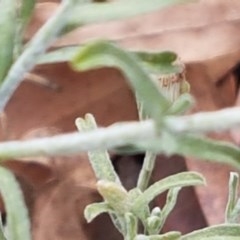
(172, 91)
(119, 135)
(28, 59)
(146, 171)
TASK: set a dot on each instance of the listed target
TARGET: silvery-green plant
(161, 91)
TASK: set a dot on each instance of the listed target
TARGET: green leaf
(183, 179)
(170, 204)
(95, 209)
(2, 236)
(183, 103)
(102, 53)
(63, 54)
(159, 62)
(152, 224)
(131, 226)
(99, 159)
(18, 225)
(26, 10)
(174, 235)
(220, 232)
(208, 149)
(24, 14)
(235, 218)
(190, 145)
(232, 197)
(101, 12)
(154, 62)
(115, 195)
(8, 26)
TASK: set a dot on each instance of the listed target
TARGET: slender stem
(120, 134)
(28, 59)
(146, 171)
(172, 91)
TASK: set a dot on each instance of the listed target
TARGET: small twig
(42, 81)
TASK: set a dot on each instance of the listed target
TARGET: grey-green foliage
(18, 225)
(157, 106)
(7, 35)
(232, 213)
(100, 159)
(134, 205)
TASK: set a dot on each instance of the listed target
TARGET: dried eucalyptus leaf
(220, 232)
(18, 225)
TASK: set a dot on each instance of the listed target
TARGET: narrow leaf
(232, 196)
(131, 226)
(159, 62)
(99, 159)
(153, 223)
(18, 224)
(169, 205)
(183, 103)
(26, 10)
(102, 53)
(167, 236)
(63, 54)
(100, 12)
(235, 218)
(2, 236)
(192, 146)
(208, 149)
(8, 26)
(95, 209)
(183, 179)
(154, 62)
(115, 195)
(24, 14)
(220, 232)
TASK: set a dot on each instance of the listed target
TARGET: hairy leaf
(18, 225)
(102, 53)
(95, 209)
(8, 26)
(220, 232)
